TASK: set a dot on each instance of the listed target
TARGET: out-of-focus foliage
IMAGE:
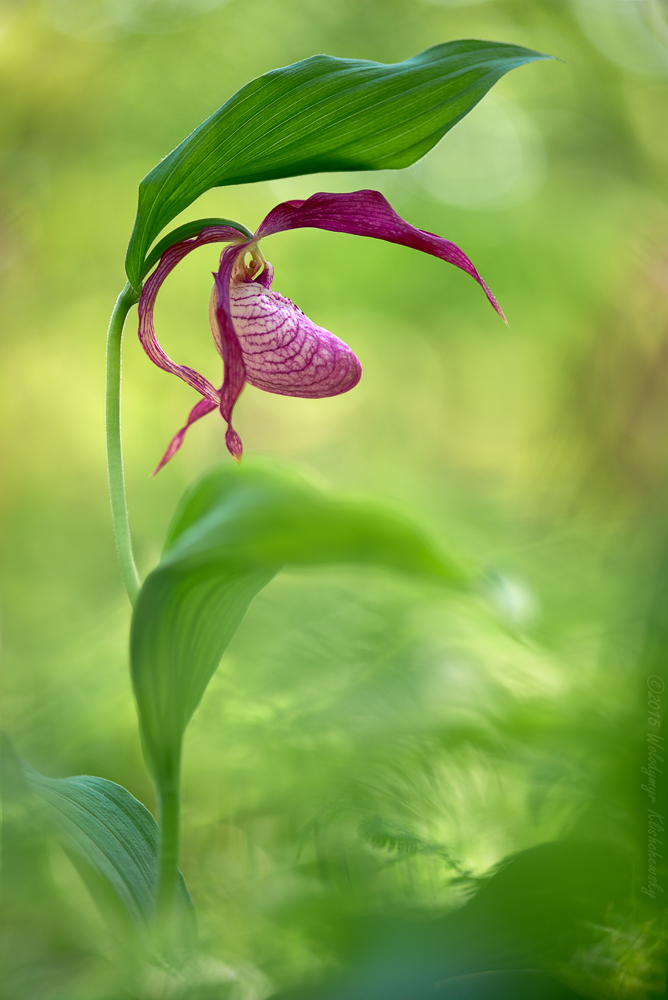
(232, 533)
(368, 751)
(111, 838)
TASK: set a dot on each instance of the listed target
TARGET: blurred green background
(366, 743)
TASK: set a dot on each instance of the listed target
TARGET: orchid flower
(262, 338)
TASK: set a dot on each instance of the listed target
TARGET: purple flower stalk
(261, 336)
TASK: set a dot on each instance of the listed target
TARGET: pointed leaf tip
(322, 114)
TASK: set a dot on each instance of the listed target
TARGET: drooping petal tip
(233, 443)
(492, 301)
(198, 411)
(366, 213)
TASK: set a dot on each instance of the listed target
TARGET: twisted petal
(366, 213)
(168, 261)
(198, 411)
(228, 345)
(261, 336)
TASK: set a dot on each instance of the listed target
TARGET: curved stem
(119, 507)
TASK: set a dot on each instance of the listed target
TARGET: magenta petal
(198, 411)
(267, 341)
(233, 443)
(168, 261)
(228, 345)
(365, 213)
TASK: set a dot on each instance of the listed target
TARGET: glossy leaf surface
(322, 114)
(233, 532)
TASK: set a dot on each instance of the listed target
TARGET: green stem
(170, 835)
(119, 507)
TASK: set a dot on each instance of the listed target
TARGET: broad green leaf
(233, 532)
(322, 114)
(110, 835)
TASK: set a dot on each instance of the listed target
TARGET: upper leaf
(322, 114)
(231, 535)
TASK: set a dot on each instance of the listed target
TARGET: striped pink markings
(261, 336)
(284, 351)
